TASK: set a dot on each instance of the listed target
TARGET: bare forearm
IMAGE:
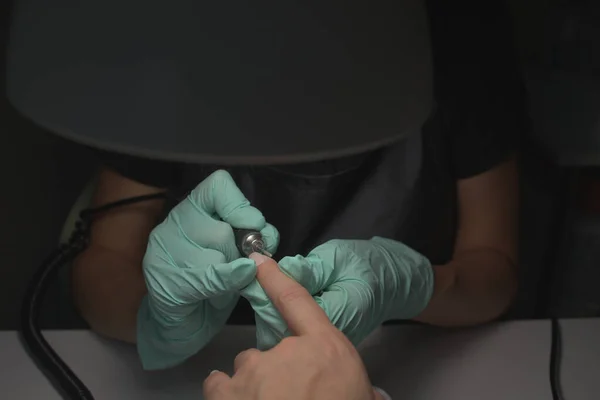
(107, 290)
(476, 287)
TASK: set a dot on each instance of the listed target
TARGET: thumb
(219, 195)
(215, 386)
(218, 279)
(270, 236)
(349, 306)
(310, 271)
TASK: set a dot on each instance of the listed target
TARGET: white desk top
(498, 362)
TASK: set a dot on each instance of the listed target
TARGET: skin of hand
(317, 362)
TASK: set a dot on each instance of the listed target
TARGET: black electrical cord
(555, 359)
(50, 363)
(546, 306)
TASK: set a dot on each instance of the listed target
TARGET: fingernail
(382, 393)
(213, 371)
(258, 258)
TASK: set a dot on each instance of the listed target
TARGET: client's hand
(318, 362)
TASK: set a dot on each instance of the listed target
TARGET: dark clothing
(406, 191)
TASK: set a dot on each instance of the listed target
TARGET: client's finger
(244, 358)
(216, 386)
(296, 306)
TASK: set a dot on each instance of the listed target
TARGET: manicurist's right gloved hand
(194, 271)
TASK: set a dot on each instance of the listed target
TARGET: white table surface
(501, 361)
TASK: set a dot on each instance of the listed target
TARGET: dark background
(41, 176)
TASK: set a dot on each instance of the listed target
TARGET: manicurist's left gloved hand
(194, 271)
(358, 283)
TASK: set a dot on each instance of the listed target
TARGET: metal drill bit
(259, 247)
(249, 241)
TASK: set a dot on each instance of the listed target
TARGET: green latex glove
(194, 272)
(358, 283)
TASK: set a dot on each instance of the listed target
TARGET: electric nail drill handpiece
(249, 241)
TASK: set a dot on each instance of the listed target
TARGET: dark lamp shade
(232, 82)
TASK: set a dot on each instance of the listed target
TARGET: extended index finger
(216, 386)
(296, 306)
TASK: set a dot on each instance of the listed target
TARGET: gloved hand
(194, 272)
(358, 283)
